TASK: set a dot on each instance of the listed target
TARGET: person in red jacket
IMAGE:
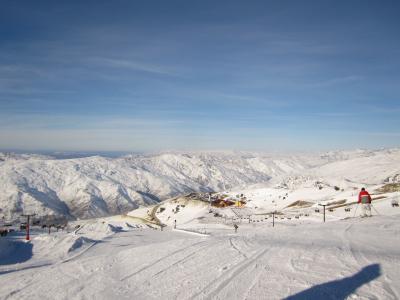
(364, 198)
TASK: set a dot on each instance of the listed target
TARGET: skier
(364, 198)
(236, 227)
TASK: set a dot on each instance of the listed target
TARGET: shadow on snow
(342, 288)
(18, 252)
(24, 268)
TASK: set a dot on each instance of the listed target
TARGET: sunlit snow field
(355, 258)
(141, 255)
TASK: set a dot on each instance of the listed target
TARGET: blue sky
(199, 75)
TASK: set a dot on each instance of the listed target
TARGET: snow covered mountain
(98, 186)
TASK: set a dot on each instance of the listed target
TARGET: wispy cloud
(336, 81)
(337, 114)
(134, 66)
(216, 75)
(7, 70)
(84, 122)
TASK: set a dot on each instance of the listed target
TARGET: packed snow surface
(353, 258)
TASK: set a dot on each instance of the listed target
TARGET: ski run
(115, 258)
(186, 247)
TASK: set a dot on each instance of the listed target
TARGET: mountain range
(97, 186)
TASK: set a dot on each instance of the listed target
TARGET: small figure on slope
(236, 227)
(364, 198)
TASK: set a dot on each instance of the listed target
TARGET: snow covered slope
(97, 186)
(348, 259)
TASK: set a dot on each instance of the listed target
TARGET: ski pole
(355, 211)
(375, 210)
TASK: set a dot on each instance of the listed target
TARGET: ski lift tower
(273, 218)
(323, 205)
(28, 219)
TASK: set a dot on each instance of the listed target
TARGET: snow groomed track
(354, 258)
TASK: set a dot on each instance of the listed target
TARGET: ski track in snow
(169, 255)
(226, 279)
(236, 248)
(273, 263)
(360, 257)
